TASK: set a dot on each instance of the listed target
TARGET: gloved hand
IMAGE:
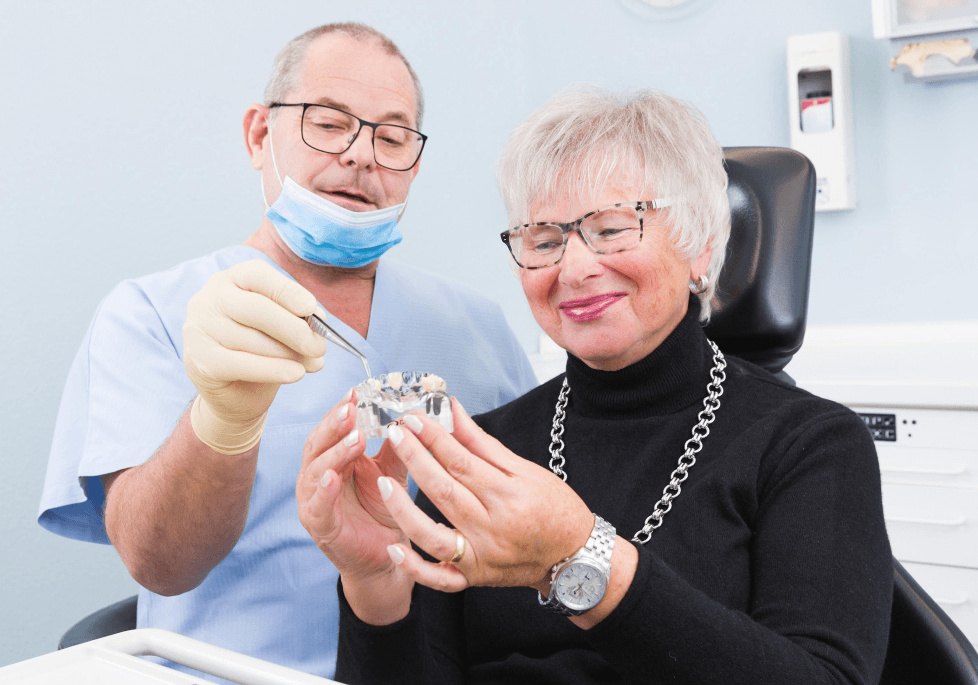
(242, 339)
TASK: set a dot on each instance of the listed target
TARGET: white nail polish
(385, 487)
(326, 479)
(414, 423)
(348, 396)
(395, 434)
(397, 555)
(343, 412)
(352, 438)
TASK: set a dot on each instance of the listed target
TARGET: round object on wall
(665, 10)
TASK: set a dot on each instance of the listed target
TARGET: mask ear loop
(278, 177)
(271, 149)
(403, 206)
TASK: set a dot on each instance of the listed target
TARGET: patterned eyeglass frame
(575, 227)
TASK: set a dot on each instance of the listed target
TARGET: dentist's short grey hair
(287, 69)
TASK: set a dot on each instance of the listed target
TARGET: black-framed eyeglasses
(607, 230)
(333, 131)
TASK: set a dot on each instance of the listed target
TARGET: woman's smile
(589, 308)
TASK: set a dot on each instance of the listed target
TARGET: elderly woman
(545, 549)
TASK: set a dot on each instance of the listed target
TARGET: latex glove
(242, 339)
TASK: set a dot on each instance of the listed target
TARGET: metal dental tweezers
(325, 330)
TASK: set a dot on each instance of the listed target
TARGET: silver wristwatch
(579, 582)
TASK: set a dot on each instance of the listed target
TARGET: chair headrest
(761, 305)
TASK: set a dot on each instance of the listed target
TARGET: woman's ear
(699, 265)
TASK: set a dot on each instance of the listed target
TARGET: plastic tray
(114, 660)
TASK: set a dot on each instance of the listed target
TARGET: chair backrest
(925, 645)
(760, 312)
(761, 305)
(109, 620)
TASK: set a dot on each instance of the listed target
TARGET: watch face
(580, 586)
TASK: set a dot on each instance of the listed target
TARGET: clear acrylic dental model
(385, 398)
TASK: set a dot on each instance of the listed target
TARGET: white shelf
(939, 68)
(898, 364)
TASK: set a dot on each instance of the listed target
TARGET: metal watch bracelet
(596, 552)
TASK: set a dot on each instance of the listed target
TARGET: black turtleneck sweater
(772, 567)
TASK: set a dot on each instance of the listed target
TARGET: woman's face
(610, 310)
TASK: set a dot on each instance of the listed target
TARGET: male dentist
(181, 428)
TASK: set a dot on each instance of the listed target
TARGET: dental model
(385, 398)
(432, 382)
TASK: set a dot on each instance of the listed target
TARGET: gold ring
(459, 548)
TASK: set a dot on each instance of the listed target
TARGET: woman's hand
(341, 508)
(518, 519)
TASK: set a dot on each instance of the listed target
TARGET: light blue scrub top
(274, 596)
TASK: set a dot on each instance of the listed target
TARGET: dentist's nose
(361, 152)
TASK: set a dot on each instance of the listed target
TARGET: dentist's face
(360, 78)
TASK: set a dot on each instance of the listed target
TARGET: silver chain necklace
(710, 404)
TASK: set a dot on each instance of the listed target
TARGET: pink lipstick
(588, 308)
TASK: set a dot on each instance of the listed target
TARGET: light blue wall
(123, 154)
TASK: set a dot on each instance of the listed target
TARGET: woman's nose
(578, 263)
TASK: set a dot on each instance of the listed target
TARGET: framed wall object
(906, 18)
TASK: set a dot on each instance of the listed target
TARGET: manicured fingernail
(348, 396)
(460, 405)
(343, 412)
(385, 487)
(395, 434)
(326, 479)
(352, 438)
(414, 423)
(397, 554)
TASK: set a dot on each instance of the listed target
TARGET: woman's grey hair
(587, 138)
(287, 69)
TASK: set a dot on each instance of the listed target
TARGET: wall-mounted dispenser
(820, 112)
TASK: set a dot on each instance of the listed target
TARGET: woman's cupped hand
(339, 503)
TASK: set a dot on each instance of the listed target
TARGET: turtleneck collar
(669, 379)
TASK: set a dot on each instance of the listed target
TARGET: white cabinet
(916, 386)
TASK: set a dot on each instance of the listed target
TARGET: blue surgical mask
(322, 232)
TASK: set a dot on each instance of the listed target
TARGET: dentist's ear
(255, 125)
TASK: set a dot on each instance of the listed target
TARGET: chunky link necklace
(710, 404)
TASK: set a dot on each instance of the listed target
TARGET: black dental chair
(759, 315)
(760, 312)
